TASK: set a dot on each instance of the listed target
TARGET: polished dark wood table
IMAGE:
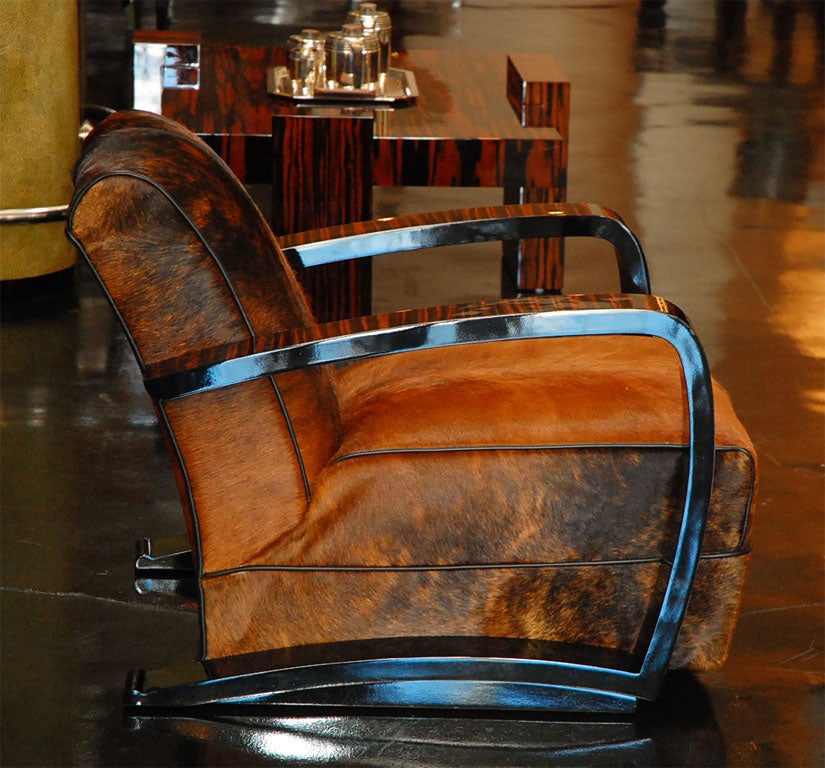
(481, 119)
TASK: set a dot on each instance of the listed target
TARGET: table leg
(540, 97)
(531, 266)
(322, 176)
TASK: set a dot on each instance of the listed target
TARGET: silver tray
(400, 88)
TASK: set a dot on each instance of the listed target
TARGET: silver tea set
(357, 57)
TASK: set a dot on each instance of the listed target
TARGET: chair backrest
(154, 207)
(190, 266)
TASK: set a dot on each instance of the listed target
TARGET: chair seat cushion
(583, 390)
(559, 441)
(566, 463)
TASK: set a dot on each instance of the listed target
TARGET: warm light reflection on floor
(798, 312)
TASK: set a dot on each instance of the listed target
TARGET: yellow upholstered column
(39, 121)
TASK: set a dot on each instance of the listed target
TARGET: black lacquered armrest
(396, 332)
(579, 685)
(473, 225)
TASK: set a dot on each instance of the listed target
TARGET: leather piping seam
(70, 233)
(470, 567)
(195, 528)
(531, 447)
(741, 547)
(157, 186)
(115, 309)
(292, 436)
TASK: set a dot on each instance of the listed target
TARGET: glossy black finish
(434, 741)
(454, 739)
(163, 559)
(395, 684)
(438, 739)
(395, 333)
(485, 225)
(166, 567)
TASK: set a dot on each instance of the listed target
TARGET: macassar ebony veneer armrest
(473, 225)
(403, 331)
(589, 686)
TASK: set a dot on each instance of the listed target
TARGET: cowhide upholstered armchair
(491, 505)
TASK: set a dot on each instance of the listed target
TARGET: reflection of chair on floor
(681, 722)
(365, 739)
(489, 505)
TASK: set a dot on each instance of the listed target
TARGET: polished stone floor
(702, 123)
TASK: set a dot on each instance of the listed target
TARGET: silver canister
(351, 58)
(377, 22)
(305, 61)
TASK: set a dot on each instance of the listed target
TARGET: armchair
(532, 503)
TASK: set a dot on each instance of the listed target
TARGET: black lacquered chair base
(166, 567)
(681, 722)
(164, 559)
(418, 673)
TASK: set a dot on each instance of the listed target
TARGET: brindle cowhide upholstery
(526, 489)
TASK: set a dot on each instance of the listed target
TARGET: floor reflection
(680, 730)
(365, 740)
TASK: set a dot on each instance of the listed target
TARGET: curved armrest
(473, 225)
(409, 330)
(556, 316)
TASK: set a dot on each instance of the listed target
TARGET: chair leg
(164, 558)
(487, 674)
(165, 566)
